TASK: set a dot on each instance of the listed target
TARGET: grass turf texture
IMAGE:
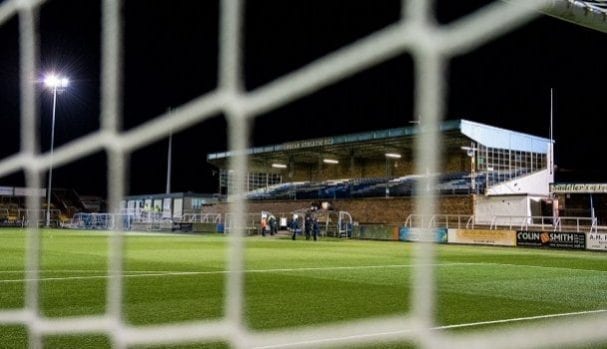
(172, 278)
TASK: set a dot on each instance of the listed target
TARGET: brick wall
(369, 210)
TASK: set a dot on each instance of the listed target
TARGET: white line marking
(216, 272)
(145, 273)
(542, 267)
(63, 271)
(437, 328)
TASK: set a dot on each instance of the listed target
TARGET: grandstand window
(253, 181)
(505, 164)
(197, 203)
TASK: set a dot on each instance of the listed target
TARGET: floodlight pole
(169, 159)
(54, 82)
(169, 163)
(50, 171)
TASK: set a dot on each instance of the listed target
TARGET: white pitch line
(437, 328)
(146, 273)
(217, 272)
(542, 267)
(62, 271)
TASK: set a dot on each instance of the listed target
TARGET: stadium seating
(68, 201)
(451, 183)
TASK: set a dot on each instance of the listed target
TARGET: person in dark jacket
(273, 223)
(315, 228)
(308, 225)
(294, 226)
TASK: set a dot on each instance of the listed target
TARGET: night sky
(170, 57)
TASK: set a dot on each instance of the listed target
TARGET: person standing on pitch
(294, 226)
(308, 225)
(263, 224)
(315, 228)
(273, 223)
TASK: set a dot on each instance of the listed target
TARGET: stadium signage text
(551, 239)
(6, 191)
(579, 188)
(483, 237)
(307, 143)
(597, 241)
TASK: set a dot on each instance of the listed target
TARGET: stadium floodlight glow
(277, 165)
(393, 155)
(57, 84)
(330, 161)
(53, 81)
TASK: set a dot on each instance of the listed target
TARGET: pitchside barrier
(596, 241)
(27, 216)
(577, 233)
(100, 221)
(146, 222)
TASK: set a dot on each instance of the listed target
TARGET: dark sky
(170, 58)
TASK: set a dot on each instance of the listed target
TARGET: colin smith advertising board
(551, 239)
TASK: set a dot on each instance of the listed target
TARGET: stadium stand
(65, 203)
(455, 183)
(68, 201)
(482, 164)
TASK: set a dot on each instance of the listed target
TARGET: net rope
(431, 45)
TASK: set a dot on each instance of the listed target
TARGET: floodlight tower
(56, 84)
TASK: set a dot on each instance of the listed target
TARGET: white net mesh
(430, 44)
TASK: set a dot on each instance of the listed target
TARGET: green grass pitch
(173, 278)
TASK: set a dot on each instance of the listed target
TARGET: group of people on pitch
(269, 224)
(311, 226)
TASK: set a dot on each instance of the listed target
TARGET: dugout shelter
(166, 206)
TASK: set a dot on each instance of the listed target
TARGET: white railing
(200, 218)
(573, 224)
(458, 221)
(577, 224)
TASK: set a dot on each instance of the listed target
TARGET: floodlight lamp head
(53, 81)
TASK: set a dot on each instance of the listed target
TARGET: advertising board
(482, 237)
(375, 232)
(6, 191)
(41, 192)
(570, 240)
(596, 241)
(420, 234)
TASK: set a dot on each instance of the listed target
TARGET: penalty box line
(437, 328)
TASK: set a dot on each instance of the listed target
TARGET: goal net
(430, 44)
